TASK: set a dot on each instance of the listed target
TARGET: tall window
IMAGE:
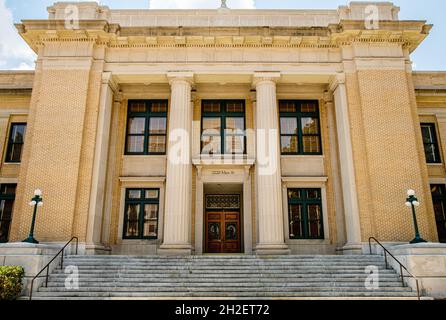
(300, 128)
(147, 128)
(439, 198)
(7, 197)
(141, 214)
(15, 142)
(305, 214)
(431, 148)
(223, 127)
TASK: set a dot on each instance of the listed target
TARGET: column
(269, 177)
(178, 205)
(351, 208)
(98, 186)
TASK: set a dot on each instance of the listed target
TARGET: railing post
(47, 275)
(385, 258)
(31, 292)
(402, 275)
(61, 261)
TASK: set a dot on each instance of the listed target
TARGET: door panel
(223, 232)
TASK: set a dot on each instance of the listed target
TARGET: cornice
(409, 34)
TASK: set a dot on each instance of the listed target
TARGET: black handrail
(47, 267)
(401, 265)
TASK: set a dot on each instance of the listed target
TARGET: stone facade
(76, 103)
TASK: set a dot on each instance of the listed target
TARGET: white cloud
(200, 4)
(14, 52)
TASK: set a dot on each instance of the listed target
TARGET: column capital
(180, 76)
(336, 80)
(328, 96)
(260, 77)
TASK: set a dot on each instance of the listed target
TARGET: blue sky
(14, 54)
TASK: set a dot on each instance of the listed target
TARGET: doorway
(223, 223)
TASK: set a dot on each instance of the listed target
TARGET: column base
(175, 250)
(351, 249)
(97, 250)
(272, 250)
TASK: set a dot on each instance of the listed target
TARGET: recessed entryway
(223, 218)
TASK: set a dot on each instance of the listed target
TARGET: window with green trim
(7, 198)
(305, 214)
(15, 143)
(430, 141)
(223, 127)
(146, 127)
(300, 132)
(141, 214)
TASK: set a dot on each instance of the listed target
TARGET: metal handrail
(47, 267)
(410, 275)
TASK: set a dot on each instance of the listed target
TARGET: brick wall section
(389, 155)
(54, 153)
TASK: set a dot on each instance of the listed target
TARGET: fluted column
(178, 205)
(269, 185)
(348, 177)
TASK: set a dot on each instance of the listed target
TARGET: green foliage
(10, 282)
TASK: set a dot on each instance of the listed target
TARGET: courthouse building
(222, 131)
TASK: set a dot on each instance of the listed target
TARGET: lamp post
(37, 201)
(412, 202)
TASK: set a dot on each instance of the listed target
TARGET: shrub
(10, 282)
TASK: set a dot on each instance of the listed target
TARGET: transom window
(305, 214)
(439, 199)
(300, 127)
(430, 141)
(7, 197)
(223, 127)
(15, 143)
(141, 214)
(147, 127)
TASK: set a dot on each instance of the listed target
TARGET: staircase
(224, 277)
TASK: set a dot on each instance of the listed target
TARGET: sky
(15, 54)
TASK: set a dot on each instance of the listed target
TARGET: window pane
(158, 125)
(151, 229)
(310, 126)
(8, 189)
(235, 107)
(235, 125)
(211, 145)
(314, 221)
(234, 144)
(211, 106)
(309, 107)
(437, 190)
(150, 211)
(138, 107)
(159, 106)
(293, 194)
(157, 144)
(137, 125)
(287, 106)
(311, 144)
(15, 153)
(18, 133)
(231, 231)
(431, 154)
(288, 125)
(135, 144)
(132, 216)
(313, 194)
(427, 134)
(151, 194)
(211, 125)
(134, 194)
(289, 144)
(296, 220)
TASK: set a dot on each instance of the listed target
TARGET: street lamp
(37, 201)
(413, 202)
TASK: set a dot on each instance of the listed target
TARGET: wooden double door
(223, 234)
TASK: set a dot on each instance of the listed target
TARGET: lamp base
(31, 239)
(418, 240)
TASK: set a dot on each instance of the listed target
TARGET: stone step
(225, 284)
(253, 295)
(234, 288)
